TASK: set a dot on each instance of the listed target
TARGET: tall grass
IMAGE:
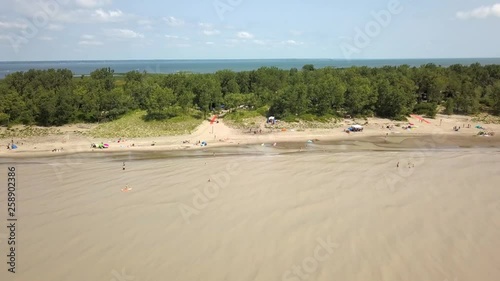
(134, 125)
(244, 119)
(27, 132)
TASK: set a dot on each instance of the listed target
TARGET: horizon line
(246, 59)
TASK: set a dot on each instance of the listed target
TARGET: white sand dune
(301, 216)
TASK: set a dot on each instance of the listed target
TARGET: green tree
(4, 118)
(46, 104)
(13, 105)
(160, 99)
(228, 83)
(185, 100)
(207, 92)
(103, 78)
(495, 97)
(359, 97)
(308, 67)
(234, 100)
(327, 95)
(116, 103)
(65, 111)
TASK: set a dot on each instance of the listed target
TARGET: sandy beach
(221, 135)
(409, 205)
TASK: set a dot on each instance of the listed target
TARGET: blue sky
(247, 29)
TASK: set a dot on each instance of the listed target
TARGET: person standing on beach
(123, 166)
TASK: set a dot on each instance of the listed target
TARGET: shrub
(426, 109)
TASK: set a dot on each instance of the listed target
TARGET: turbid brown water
(269, 215)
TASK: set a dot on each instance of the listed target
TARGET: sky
(32, 30)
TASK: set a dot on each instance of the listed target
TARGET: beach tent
(356, 128)
(14, 146)
(359, 127)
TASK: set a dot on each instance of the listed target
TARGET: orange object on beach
(283, 130)
(126, 189)
(420, 118)
(213, 119)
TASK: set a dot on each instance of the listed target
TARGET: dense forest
(56, 97)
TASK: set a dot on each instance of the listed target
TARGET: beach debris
(126, 189)
(203, 143)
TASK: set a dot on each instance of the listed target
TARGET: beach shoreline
(439, 132)
(385, 198)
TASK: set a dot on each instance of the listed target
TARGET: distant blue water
(210, 66)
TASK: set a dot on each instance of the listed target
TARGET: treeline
(56, 97)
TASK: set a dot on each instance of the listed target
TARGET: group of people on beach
(457, 128)
(259, 131)
(410, 165)
(11, 145)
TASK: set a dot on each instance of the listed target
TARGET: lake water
(210, 66)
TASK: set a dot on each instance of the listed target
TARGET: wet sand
(330, 212)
